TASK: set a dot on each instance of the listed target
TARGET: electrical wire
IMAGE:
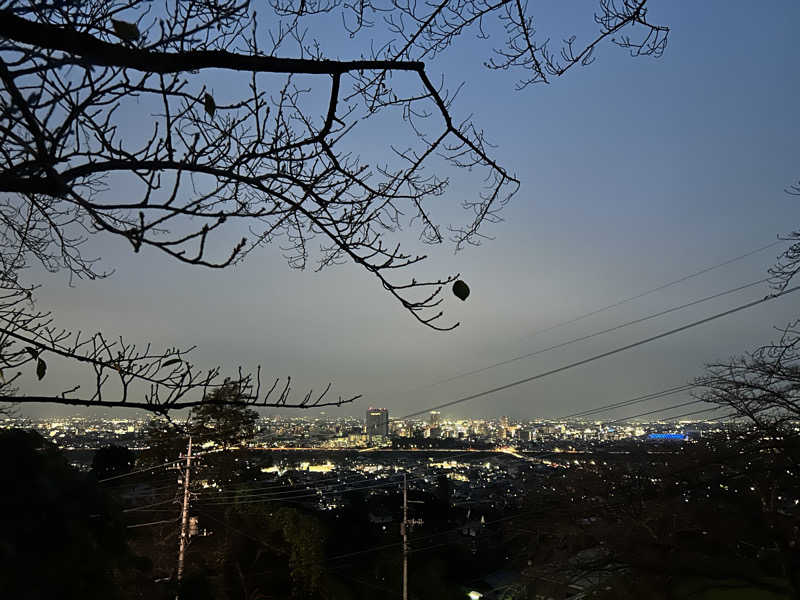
(247, 490)
(603, 354)
(598, 333)
(146, 506)
(333, 488)
(152, 523)
(624, 403)
(659, 287)
(136, 472)
(605, 308)
(146, 469)
(287, 495)
(372, 548)
(698, 412)
(735, 454)
(301, 494)
(656, 411)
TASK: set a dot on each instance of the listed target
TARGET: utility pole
(403, 529)
(404, 532)
(184, 513)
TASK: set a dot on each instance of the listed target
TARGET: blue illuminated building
(666, 436)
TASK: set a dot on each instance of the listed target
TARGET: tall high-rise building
(377, 422)
(436, 418)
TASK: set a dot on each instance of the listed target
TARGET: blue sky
(634, 172)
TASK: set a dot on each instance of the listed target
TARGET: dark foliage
(60, 536)
(112, 461)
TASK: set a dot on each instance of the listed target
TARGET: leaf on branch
(126, 31)
(41, 369)
(210, 105)
(172, 361)
(32, 351)
(460, 290)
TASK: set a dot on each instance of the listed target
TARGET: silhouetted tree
(762, 387)
(668, 525)
(272, 151)
(788, 264)
(111, 461)
(60, 536)
(219, 424)
(762, 390)
(223, 418)
(262, 550)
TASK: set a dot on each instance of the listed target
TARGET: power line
(136, 472)
(152, 523)
(301, 494)
(597, 333)
(659, 288)
(608, 307)
(608, 505)
(282, 488)
(330, 489)
(311, 563)
(248, 496)
(172, 499)
(290, 495)
(159, 466)
(705, 410)
(372, 548)
(658, 410)
(132, 492)
(298, 495)
(603, 354)
(340, 481)
(653, 396)
(636, 400)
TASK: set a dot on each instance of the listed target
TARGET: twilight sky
(634, 173)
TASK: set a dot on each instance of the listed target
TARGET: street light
(473, 595)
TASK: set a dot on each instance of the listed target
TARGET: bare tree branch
(763, 386)
(270, 152)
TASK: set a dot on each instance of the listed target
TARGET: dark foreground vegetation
(717, 518)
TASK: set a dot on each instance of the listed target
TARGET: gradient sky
(634, 172)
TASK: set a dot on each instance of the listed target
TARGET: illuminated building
(377, 422)
(668, 437)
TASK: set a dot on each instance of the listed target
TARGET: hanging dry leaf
(126, 31)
